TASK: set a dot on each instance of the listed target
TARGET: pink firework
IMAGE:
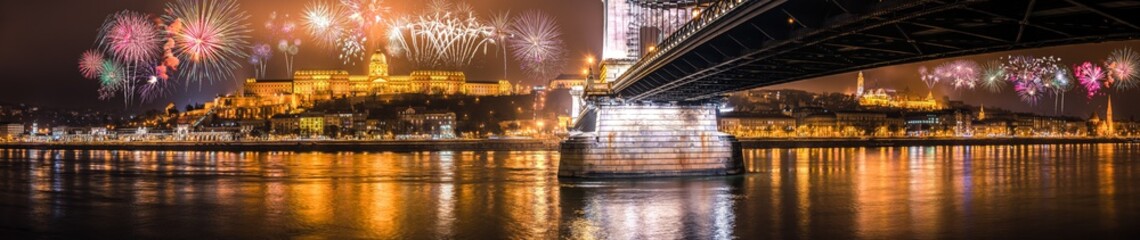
(1029, 91)
(91, 64)
(961, 73)
(211, 39)
(130, 37)
(1090, 76)
(929, 78)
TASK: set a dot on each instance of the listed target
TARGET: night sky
(42, 40)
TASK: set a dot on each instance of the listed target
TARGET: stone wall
(651, 140)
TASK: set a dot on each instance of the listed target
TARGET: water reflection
(1043, 191)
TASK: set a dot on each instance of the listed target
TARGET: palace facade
(314, 85)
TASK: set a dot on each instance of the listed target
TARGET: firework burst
(212, 37)
(444, 40)
(112, 74)
(130, 37)
(993, 77)
(1029, 75)
(1090, 76)
(1029, 91)
(154, 88)
(325, 22)
(1120, 68)
(537, 44)
(91, 64)
(961, 73)
(501, 24)
(259, 57)
(929, 77)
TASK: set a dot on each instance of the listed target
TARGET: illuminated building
(305, 124)
(314, 85)
(419, 123)
(889, 98)
(487, 88)
(756, 124)
(311, 124)
(11, 130)
(567, 81)
(982, 113)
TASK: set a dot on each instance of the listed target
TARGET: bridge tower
(620, 138)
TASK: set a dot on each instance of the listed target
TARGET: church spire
(1108, 118)
(859, 85)
(982, 113)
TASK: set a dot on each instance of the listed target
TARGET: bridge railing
(704, 18)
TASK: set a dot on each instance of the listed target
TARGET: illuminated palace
(313, 85)
(889, 98)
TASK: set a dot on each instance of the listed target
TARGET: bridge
(666, 62)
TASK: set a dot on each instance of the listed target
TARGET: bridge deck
(758, 43)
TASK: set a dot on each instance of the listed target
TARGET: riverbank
(525, 144)
(892, 142)
(306, 146)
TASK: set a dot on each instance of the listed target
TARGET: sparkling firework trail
(444, 40)
(365, 27)
(1121, 69)
(993, 77)
(929, 78)
(259, 57)
(283, 29)
(1090, 76)
(130, 37)
(154, 88)
(537, 44)
(1061, 82)
(91, 64)
(212, 39)
(501, 24)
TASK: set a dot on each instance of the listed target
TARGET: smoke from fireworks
(439, 39)
(130, 37)
(1121, 69)
(91, 64)
(537, 44)
(993, 77)
(1090, 76)
(212, 39)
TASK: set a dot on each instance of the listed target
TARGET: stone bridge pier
(650, 140)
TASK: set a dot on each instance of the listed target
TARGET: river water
(1077, 191)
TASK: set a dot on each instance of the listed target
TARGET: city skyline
(34, 78)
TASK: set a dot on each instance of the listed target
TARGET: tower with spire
(1108, 118)
(859, 86)
(982, 113)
